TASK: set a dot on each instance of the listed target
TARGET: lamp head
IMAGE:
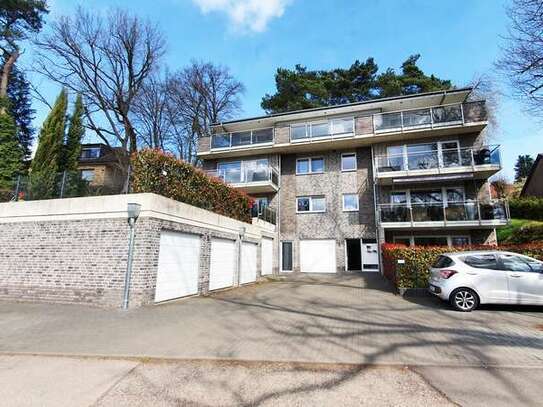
(133, 210)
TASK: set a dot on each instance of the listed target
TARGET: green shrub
(161, 173)
(413, 272)
(526, 208)
(527, 234)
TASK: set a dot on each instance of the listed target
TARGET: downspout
(278, 218)
(376, 214)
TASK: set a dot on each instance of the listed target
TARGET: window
(220, 140)
(342, 126)
(310, 204)
(241, 138)
(309, 165)
(298, 131)
(319, 129)
(516, 263)
(230, 172)
(460, 240)
(481, 261)
(398, 197)
(442, 262)
(350, 202)
(430, 241)
(87, 175)
(90, 153)
(262, 136)
(348, 162)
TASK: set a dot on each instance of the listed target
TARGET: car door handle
(471, 273)
(515, 275)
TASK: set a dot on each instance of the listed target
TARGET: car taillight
(446, 273)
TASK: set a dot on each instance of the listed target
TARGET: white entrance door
(267, 256)
(178, 264)
(248, 263)
(223, 263)
(370, 257)
(318, 256)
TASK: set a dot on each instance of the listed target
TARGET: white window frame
(82, 170)
(355, 162)
(311, 197)
(308, 129)
(310, 171)
(439, 151)
(357, 202)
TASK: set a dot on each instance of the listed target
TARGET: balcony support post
(479, 212)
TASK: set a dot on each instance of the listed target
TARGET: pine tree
(76, 131)
(48, 156)
(11, 155)
(523, 166)
(21, 109)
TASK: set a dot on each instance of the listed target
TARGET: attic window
(90, 152)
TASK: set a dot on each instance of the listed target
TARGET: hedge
(526, 208)
(413, 273)
(527, 234)
(161, 173)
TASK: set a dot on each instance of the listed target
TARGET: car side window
(516, 263)
(482, 261)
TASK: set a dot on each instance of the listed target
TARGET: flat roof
(466, 90)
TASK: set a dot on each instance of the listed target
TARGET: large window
(310, 204)
(348, 162)
(244, 171)
(314, 165)
(350, 202)
(242, 138)
(447, 240)
(422, 156)
(333, 127)
(230, 172)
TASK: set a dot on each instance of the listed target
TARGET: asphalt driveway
(323, 319)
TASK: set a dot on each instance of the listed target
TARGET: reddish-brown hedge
(413, 273)
(161, 173)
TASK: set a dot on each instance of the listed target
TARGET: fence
(67, 184)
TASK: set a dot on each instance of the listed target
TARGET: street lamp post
(133, 210)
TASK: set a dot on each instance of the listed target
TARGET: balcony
(430, 118)
(242, 139)
(265, 213)
(453, 214)
(482, 162)
(250, 179)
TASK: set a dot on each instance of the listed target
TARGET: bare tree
(151, 114)
(107, 59)
(200, 95)
(522, 59)
(485, 88)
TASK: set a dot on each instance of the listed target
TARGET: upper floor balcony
(441, 157)
(346, 130)
(454, 214)
(252, 176)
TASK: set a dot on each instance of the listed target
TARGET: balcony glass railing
(442, 158)
(438, 116)
(451, 212)
(246, 175)
(242, 138)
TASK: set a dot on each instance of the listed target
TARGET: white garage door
(318, 256)
(267, 256)
(223, 263)
(248, 263)
(178, 260)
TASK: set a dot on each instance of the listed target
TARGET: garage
(223, 263)
(248, 263)
(178, 264)
(318, 256)
(266, 256)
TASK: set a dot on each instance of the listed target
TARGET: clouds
(246, 15)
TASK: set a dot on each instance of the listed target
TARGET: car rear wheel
(464, 299)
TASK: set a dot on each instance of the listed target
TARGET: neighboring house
(410, 169)
(103, 166)
(534, 183)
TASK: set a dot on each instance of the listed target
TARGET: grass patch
(505, 232)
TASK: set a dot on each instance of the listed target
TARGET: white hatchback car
(467, 279)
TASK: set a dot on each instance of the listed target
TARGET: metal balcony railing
(443, 158)
(430, 117)
(265, 213)
(459, 211)
(246, 175)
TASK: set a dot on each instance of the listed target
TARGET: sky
(456, 41)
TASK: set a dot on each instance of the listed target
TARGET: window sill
(303, 212)
(351, 210)
(353, 170)
(310, 173)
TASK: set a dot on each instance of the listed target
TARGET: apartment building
(340, 180)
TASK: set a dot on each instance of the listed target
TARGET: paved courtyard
(281, 342)
(351, 319)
